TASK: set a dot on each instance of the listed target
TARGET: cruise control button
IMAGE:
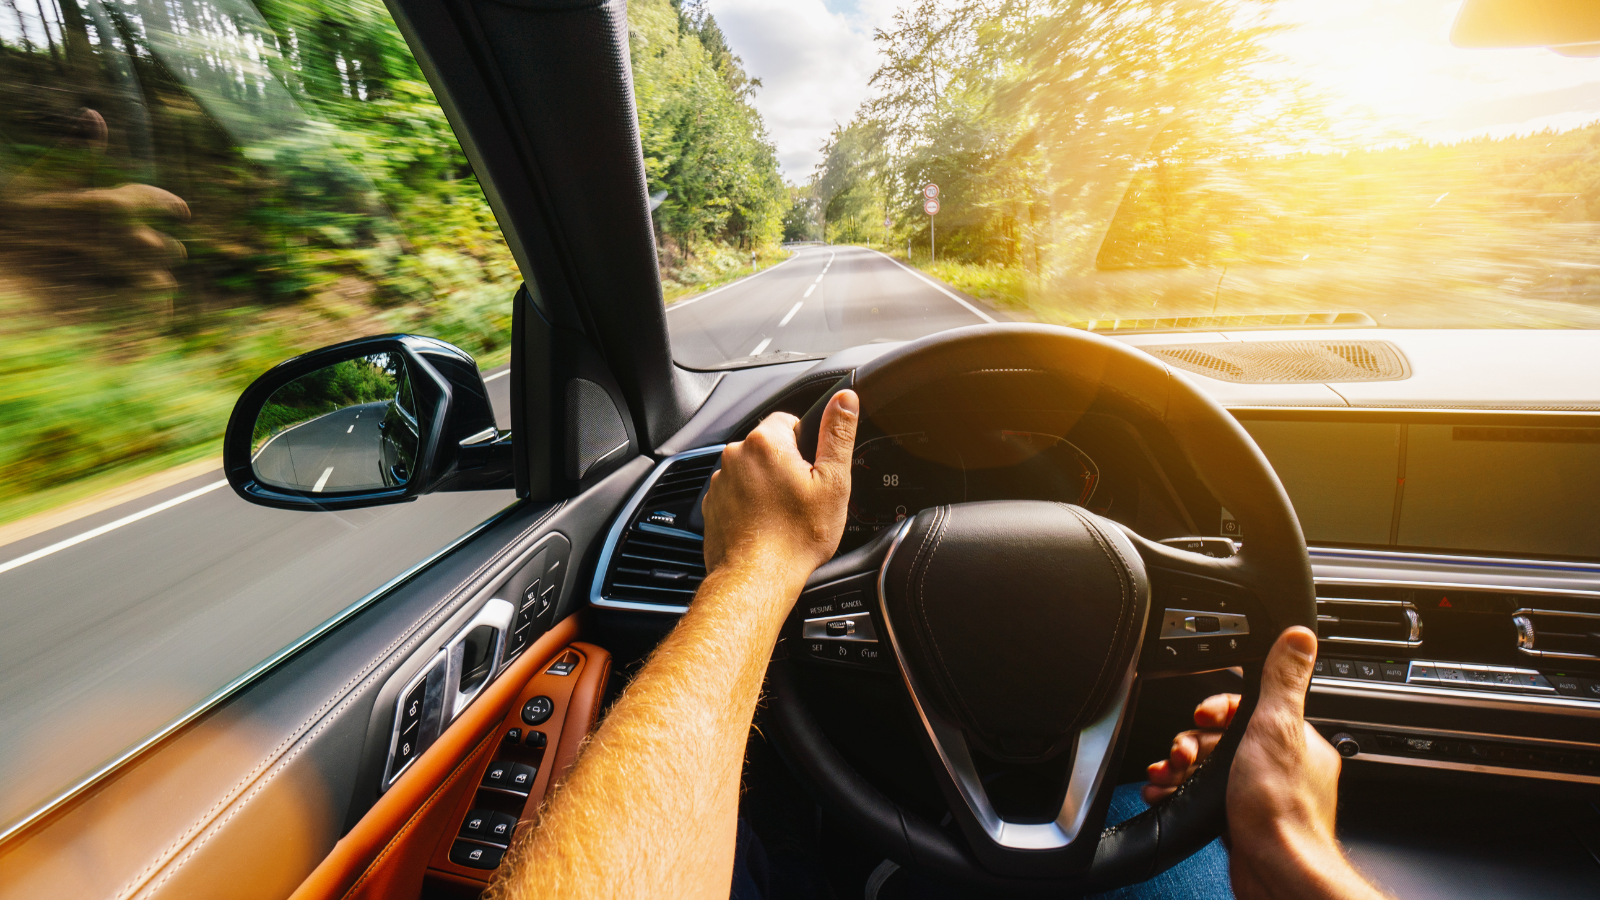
(841, 628)
(538, 710)
(868, 653)
(476, 856)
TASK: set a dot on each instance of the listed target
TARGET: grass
(714, 266)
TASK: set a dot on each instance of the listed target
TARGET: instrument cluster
(898, 475)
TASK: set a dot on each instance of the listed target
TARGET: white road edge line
(760, 347)
(808, 291)
(317, 488)
(500, 374)
(940, 288)
(698, 297)
(791, 313)
(109, 526)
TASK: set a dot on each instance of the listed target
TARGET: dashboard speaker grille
(659, 559)
(1287, 362)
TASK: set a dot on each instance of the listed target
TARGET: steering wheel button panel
(856, 627)
(1177, 624)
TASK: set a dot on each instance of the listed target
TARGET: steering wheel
(1022, 630)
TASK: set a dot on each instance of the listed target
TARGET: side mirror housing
(367, 422)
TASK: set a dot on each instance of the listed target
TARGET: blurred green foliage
(1141, 157)
(193, 190)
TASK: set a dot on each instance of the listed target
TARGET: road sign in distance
(931, 191)
(888, 222)
(931, 206)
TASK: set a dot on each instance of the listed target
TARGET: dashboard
(1452, 520)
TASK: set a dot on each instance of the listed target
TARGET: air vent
(1560, 634)
(1287, 362)
(660, 559)
(1358, 620)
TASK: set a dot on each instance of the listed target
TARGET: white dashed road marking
(791, 313)
(317, 488)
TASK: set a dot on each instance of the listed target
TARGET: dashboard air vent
(1561, 634)
(1287, 362)
(659, 559)
(1361, 620)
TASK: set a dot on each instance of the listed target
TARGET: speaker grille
(1287, 362)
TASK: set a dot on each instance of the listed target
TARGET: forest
(192, 190)
(1126, 158)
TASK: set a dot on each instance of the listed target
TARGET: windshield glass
(1119, 166)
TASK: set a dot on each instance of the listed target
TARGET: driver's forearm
(651, 807)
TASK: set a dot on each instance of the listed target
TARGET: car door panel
(248, 799)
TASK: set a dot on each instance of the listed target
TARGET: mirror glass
(345, 427)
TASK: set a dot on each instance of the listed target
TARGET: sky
(814, 59)
(1390, 57)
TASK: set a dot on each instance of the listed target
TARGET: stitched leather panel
(1022, 617)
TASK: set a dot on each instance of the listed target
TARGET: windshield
(1117, 166)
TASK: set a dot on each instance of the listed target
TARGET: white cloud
(813, 62)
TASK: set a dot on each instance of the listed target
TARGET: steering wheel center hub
(1020, 617)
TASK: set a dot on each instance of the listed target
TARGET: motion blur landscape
(192, 190)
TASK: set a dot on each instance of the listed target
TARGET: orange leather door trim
(386, 853)
(577, 704)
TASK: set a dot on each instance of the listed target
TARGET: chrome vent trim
(1345, 613)
(649, 566)
(1287, 362)
(1532, 623)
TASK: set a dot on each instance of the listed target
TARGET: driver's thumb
(836, 442)
(1287, 674)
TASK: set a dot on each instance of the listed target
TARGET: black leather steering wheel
(1022, 629)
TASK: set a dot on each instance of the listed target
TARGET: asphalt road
(333, 452)
(821, 300)
(105, 641)
(115, 624)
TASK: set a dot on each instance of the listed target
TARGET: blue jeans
(1203, 876)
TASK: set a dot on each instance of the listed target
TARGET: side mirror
(367, 422)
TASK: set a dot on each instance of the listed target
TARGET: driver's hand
(1190, 748)
(1283, 790)
(770, 508)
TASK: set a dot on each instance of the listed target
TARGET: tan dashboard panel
(386, 853)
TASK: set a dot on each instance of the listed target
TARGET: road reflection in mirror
(345, 427)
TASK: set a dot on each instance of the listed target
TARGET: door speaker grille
(1287, 362)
